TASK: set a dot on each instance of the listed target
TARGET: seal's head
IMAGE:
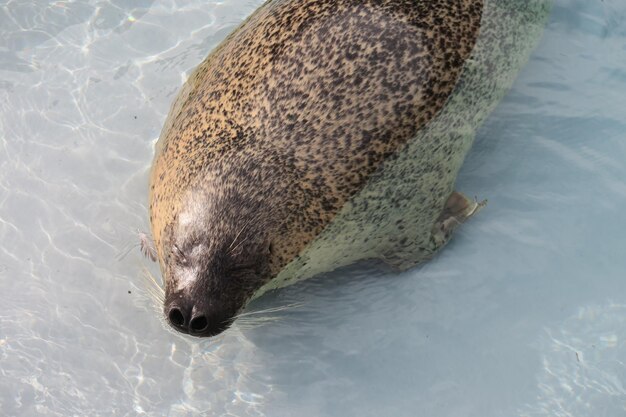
(215, 258)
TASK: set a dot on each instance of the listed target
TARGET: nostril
(176, 317)
(199, 324)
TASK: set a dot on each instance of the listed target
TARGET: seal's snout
(181, 320)
(192, 319)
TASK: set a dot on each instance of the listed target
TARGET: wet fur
(280, 126)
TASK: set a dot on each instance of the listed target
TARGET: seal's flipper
(456, 211)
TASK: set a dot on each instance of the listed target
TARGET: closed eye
(179, 256)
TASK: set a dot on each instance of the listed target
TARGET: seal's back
(303, 102)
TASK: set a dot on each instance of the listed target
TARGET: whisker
(269, 310)
(239, 244)
(258, 321)
(147, 246)
(239, 234)
(156, 294)
(123, 253)
(154, 288)
(250, 326)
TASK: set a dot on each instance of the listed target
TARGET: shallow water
(523, 314)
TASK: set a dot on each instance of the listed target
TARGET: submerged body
(322, 132)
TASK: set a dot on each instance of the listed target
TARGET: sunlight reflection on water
(523, 314)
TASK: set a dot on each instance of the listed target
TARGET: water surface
(523, 314)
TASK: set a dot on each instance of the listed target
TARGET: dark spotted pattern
(337, 124)
(394, 216)
(299, 106)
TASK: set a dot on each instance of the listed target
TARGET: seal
(320, 133)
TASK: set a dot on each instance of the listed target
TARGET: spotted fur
(290, 122)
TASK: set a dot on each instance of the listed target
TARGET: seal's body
(322, 132)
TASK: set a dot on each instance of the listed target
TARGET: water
(524, 314)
